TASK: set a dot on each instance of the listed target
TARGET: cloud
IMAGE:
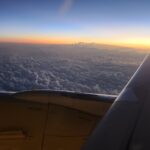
(66, 6)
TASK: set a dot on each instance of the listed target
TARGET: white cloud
(66, 6)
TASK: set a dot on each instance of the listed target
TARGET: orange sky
(142, 43)
(71, 21)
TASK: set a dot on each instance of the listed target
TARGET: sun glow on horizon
(140, 43)
(71, 21)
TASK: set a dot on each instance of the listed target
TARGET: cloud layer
(81, 68)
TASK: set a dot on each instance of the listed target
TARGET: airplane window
(63, 63)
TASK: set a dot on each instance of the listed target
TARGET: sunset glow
(135, 43)
(73, 21)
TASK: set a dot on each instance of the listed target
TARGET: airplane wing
(126, 126)
(44, 120)
(62, 120)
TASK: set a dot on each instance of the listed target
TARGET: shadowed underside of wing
(44, 120)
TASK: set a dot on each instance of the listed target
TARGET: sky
(118, 22)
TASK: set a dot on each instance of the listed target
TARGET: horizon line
(140, 47)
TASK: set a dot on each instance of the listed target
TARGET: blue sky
(79, 20)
